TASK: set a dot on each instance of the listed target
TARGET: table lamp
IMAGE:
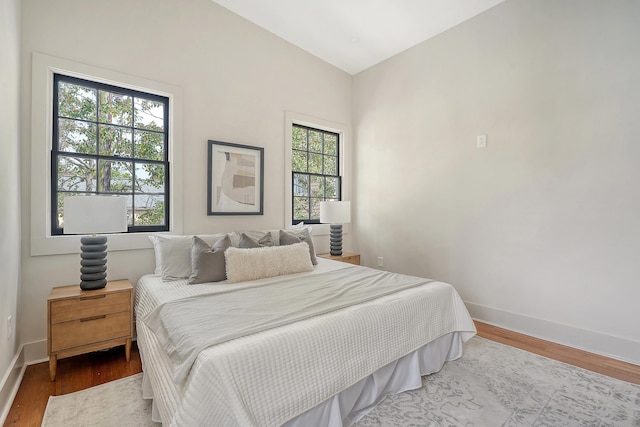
(94, 215)
(335, 213)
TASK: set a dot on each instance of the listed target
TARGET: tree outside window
(113, 141)
(315, 164)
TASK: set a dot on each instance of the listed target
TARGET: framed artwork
(235, 179)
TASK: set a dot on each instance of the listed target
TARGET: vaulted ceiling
(353, 35)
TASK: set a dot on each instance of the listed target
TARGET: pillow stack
(203, 258)
(173, 254)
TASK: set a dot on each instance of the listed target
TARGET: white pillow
(258, 263)
(156, 254)
(173, 254)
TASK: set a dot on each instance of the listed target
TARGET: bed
(242, 353)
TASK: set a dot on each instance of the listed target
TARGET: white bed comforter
(186, 326)
(269, 377)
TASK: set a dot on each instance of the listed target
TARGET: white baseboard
(594, 342)
(11, 383)
(36, 352)
(28, 354)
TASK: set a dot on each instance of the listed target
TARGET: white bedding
(271, 377)
(186, 326)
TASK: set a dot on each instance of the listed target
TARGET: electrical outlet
(380, 261)
(9, 326)
(481, 141)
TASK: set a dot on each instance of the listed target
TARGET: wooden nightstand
(82, 321)
(345, 257)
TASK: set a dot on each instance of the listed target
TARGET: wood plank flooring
(592, 362)
(74, 374)
(78, 373)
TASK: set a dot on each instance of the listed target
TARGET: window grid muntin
(133, 160)
(309, 198)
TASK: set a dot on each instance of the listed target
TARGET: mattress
(286, 373)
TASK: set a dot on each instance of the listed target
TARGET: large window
(315, 168)
(113, 141)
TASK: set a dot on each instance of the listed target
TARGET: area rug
(497, 385)
(116, 403)
(490, 385)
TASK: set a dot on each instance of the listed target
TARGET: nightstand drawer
(92, 329)
(351, 259)
(89, 306)
(347, 257)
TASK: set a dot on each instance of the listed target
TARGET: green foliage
(153, 215)
(94, 121)
(299, 138)
(300, 208)
(314, 161)
(315, 141)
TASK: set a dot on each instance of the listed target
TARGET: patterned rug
(497, 385)
(116, 403)
(491, 385)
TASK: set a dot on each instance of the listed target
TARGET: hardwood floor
(74, 374)
(78, 373)
(592, 362)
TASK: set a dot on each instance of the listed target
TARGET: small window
(315, 168)
(114, 141)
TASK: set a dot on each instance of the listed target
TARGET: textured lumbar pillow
(258, 263)
(207, 263)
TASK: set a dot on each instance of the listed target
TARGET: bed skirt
(356, 401)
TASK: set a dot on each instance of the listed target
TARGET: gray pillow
(289, 237)
(247, 242)
(207, 263)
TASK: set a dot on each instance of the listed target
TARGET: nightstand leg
(127, 349)
(53, 365)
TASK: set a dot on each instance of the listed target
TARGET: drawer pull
(93, 297)
(93, 318)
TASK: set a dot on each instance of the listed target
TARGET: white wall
(540, 231)
(9, 188)
(237, 81)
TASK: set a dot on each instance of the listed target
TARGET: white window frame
(43, 69)
(344, 167)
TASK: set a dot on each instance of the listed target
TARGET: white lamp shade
(95, 214)
(335, 212)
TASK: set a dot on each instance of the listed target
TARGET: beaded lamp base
(335, 239)
(93, 261)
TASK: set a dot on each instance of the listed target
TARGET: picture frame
(235, 184)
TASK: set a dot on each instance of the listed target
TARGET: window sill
(324, 229)
(59, 245)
